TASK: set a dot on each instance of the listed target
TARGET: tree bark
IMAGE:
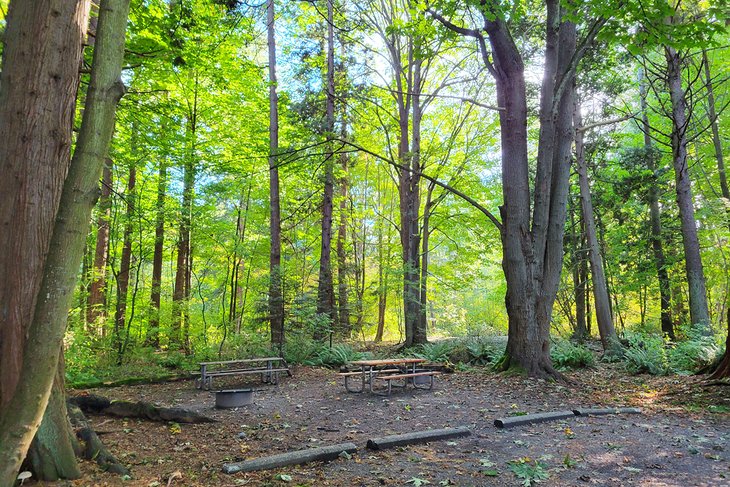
(181, 293)
(276, 298)
(20, 417)
(343, 304)
(120, 314)
(325, 288)
(655, 220)
(699, 312)
(153, 329)
(96, 307)
(611, 345)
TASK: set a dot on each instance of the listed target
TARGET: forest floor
(682, 437)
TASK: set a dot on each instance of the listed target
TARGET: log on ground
(604, 411)
(93, 448)
(532, 418)
(144, 410)
(417, 437)
(324, 453)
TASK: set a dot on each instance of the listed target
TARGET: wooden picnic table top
(388, 361)
(243, 361)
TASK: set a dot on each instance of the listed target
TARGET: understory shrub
(484, 350)
(646, 354)
(565, 353)
(440, 351)
(694, 354)
(335, 356)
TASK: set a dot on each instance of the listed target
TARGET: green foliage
(484, 350)
(565, 353)
(646, 355)
(440, 351)
(694, 354)
(335, 356)
(650, 354)
(528, 471)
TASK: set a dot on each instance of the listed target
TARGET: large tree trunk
(698, 310)
(325, 288)
(276, 298)
(63, 25)
(533, 249)
(655, 220)
(38, 85)
(96, 307)
(153, 329)
(611, 345)
(120, 314)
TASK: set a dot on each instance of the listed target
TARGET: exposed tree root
(144, 410)
(93, 448)
(541, 370)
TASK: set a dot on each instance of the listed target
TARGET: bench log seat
(368, 375)
(392, 377)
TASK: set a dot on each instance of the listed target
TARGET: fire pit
(233, 398)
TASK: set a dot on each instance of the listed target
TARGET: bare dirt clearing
(670, 444)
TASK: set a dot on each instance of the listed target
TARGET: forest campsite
(364, 243)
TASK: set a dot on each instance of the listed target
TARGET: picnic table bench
(388, 371)
(268, 367)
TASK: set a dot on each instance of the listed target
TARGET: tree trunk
(426, 233)
(63, 25)
(276, 299)
(153, 328)
(325, 288)
(96, 307)
(345, 327)
(655, 220)
(181, 293)
(580, 332)
(698, 310)
(611, 345)
(533, 249)
(723, 370)
(120, 315)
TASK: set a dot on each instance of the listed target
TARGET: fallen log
(324, 453)
(140, 409)
(604, 411)
(532, 418)
(93, 448)
(417, 437)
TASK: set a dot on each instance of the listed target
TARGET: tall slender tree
(276, 298)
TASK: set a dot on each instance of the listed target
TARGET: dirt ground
(682, 438)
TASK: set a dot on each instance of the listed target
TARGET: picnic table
(388, 371)
(268, 367)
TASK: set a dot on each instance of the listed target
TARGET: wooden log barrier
(604, 411)
(417, 437)
(532, 418)
(324, 453)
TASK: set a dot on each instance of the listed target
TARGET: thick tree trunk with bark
(533, 248)
(611, 345)
(96, 304)
(153, 330)
(699, 312)
(20, 417)
(276, 298)
(655, 221)
(325, 288)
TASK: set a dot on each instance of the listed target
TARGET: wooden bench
(389, 378)
(367, 376)
(269, 372)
